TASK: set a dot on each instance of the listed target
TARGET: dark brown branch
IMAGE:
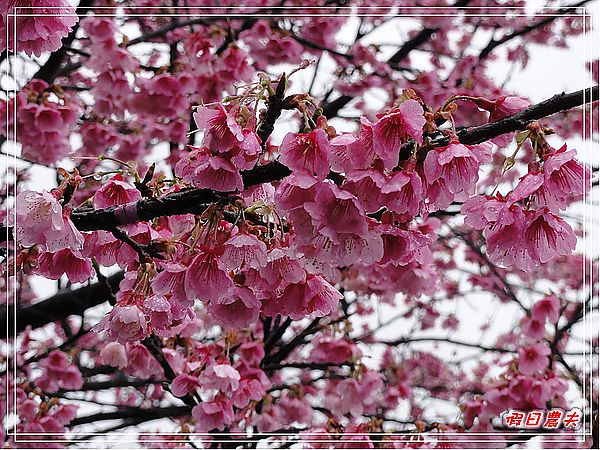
(330, 109)
(304, 365)
(185, 201)
(111, 384)
(516, 122)
(287, 348)
(161, 32)
(189, 200)
(50, 70)
(274, 109)
(59, 306)
(278, 332)
(154, 345)
(446, 340)
(133, 413)
(553, 105)
(485, 52)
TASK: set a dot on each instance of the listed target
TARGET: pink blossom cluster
(43, 123)
(523, 228)
(39, 420)
(39, 25)
(249, 253)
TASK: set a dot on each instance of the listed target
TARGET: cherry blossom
(40, 33)
(41, 219)
(307, 152)
(533, 358)
(225, 225)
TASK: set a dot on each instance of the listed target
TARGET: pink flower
(244, 154)
(471, 410)
(96, 137)
(361, 151)
(438, 195)
(58, 373)
(341, 156)
(54, 265)
(565, 178)
(99, 29)
(41, 30)
(496, 401)
(115, 192)
(65, 413)
(238, 309)
(548, 307)
(249, 389)
(222, 130)
(183, 384)
(158, 310)
(507, 106)
(336, 211)
(322, 298)
(294, 410)
(307, 153)
(499, 108)
(528, 185)
(504, 240)
(114, 354)
(141, 363)
(268, 46)
(533, 328)
(400, 247)
(456, 165)
(394, 127)
(48, 125)
(42, 220)
(296, 190)
(334, 351)
(282, 269)
(172, 281)
(207, 278)
(215, 415)
(298, 300)
(252, 352)
(124, 324)
(222, 377)
(480, 210)
(244, 251)
(163, 95)
(366, 185)
(204, 170)
(533, 358)
(344, 249)
(546, 236)
(403, 193)
(355, 396)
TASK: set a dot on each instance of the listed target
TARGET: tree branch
(409, 340)
(49, 71)
(330, 109)
(516, 122)
(59, 306)
(485, 52)
(190, 200)
(133, 413)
